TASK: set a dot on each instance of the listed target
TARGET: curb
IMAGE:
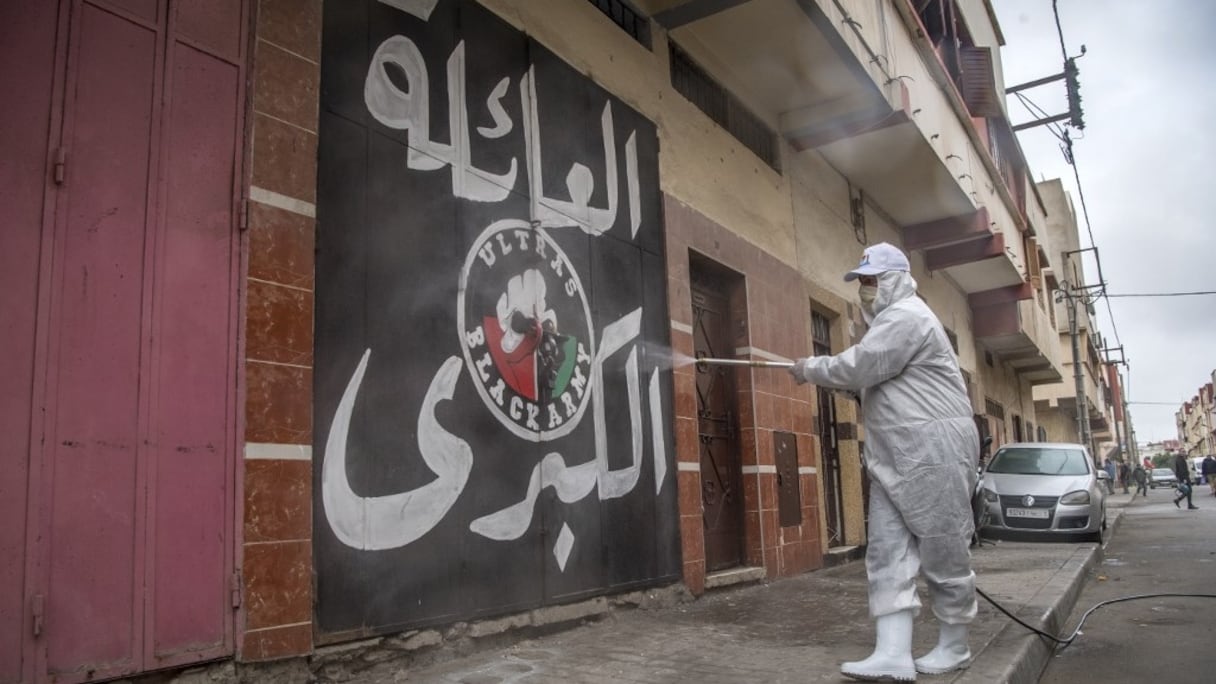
(1018, 656)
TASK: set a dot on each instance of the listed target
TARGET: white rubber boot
(892, 656)
(950, 654)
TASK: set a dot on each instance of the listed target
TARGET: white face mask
(868, 294)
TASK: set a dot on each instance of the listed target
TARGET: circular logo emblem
(526, 330)
(1028, 501)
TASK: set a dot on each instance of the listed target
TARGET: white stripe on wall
(681, 327)
(751, 469)
(274, 199)
(807, 470)
(281, 452)
(688, 467)
(263, 629)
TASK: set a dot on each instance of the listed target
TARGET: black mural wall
(493, 427)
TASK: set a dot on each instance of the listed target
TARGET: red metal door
(132, 462)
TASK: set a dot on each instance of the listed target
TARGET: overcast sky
(1145, 159)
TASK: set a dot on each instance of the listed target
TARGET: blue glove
(798, 370)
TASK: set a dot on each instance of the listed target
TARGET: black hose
(1065, 643)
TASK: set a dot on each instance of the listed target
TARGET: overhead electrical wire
(1163, 294)
(1055, 10)
(1038, 111)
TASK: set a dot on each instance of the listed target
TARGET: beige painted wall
(1061, 426)
(1000, 384)
(699, 163)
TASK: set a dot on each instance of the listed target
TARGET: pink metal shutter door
(92, 447)
(137, 503)
(194, 340)
(27, 60)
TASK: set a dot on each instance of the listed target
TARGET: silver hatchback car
(1043, 489)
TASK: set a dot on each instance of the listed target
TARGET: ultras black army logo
(526, 331)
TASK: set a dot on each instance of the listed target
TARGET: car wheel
(1096, 537)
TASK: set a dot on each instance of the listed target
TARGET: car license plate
(1041, 513)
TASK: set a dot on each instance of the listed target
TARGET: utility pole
(1127, 420)
(1124, 451)
(1070, 297)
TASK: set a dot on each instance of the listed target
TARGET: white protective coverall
(921, 450)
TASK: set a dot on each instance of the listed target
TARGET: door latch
(36, 608)
(59, 167)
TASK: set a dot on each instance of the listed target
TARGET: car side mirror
(1103, 475)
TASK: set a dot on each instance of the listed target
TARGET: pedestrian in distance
(1124, 475)
(1140, 477)
(1183, 473)
(1109, 467)
(921, 451)
(1209, 472)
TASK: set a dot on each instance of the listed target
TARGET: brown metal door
(721, 473)
(833, 503)
(830, 454)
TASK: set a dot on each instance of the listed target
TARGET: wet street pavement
(790, 630)
(1159, 548)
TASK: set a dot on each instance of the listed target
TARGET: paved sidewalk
(791, 630)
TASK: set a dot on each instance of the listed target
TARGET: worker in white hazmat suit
(920, 451)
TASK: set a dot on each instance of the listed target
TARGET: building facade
(1056, 403)
(1194, 420)
(347, 319)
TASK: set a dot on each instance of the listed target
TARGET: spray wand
(745, 362)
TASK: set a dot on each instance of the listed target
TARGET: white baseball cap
(877, 259)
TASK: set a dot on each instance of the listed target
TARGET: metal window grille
(994, 409)
(625, 16)
(821, 334)
(696, 85)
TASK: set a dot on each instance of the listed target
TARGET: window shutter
(978, 82)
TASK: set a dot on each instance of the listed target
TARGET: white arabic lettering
(386, 522)
(410, 111)
(579, 181)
